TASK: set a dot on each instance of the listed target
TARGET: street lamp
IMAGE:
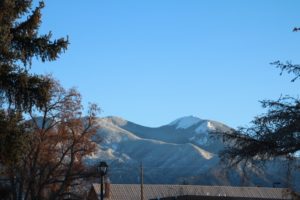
(102, 169)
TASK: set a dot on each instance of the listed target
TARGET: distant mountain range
(183, 151)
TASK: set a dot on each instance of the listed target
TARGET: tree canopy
(57, 143)
(20, 43)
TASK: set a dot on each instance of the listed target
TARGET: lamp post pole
(102, 169)
(101, 191)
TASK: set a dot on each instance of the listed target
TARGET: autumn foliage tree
(59, 138)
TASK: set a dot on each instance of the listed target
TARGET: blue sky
(153, 61)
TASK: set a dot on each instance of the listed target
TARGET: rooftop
(133, 192)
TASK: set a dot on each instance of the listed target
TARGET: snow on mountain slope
(185, 122)
(186, 150)
(115, 132)
(202, 133)
(117, 138)
(117, 121)
(112, 132)
(205, 127)
(166, 149)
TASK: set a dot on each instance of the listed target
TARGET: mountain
(183, 151)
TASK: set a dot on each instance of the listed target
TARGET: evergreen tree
(19, 44)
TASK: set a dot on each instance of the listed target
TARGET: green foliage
(20, 41)
(23, 91)
(19, 44)
(12, 138)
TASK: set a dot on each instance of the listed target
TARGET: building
(187, 192)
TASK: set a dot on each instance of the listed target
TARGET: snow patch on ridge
(111, 120)
(202, 133)
(205, 127)
(185, 122)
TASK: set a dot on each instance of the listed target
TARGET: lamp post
(102, 169)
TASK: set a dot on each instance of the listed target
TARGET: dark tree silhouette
(296, 29)
(274, 134)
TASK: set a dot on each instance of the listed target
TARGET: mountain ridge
(183, 150)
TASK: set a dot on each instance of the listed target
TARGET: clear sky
(152, 61)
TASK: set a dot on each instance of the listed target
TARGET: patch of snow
(118, 121)
(202, 133)
(205, 127)
(106, 121)
(185, 122)
(207, 155)
(210, 126)
(110, 133)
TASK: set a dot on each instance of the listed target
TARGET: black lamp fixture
(102, 170)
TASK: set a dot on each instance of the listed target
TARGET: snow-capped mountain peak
(185, 122)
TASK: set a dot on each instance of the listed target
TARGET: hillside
(183, 151)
